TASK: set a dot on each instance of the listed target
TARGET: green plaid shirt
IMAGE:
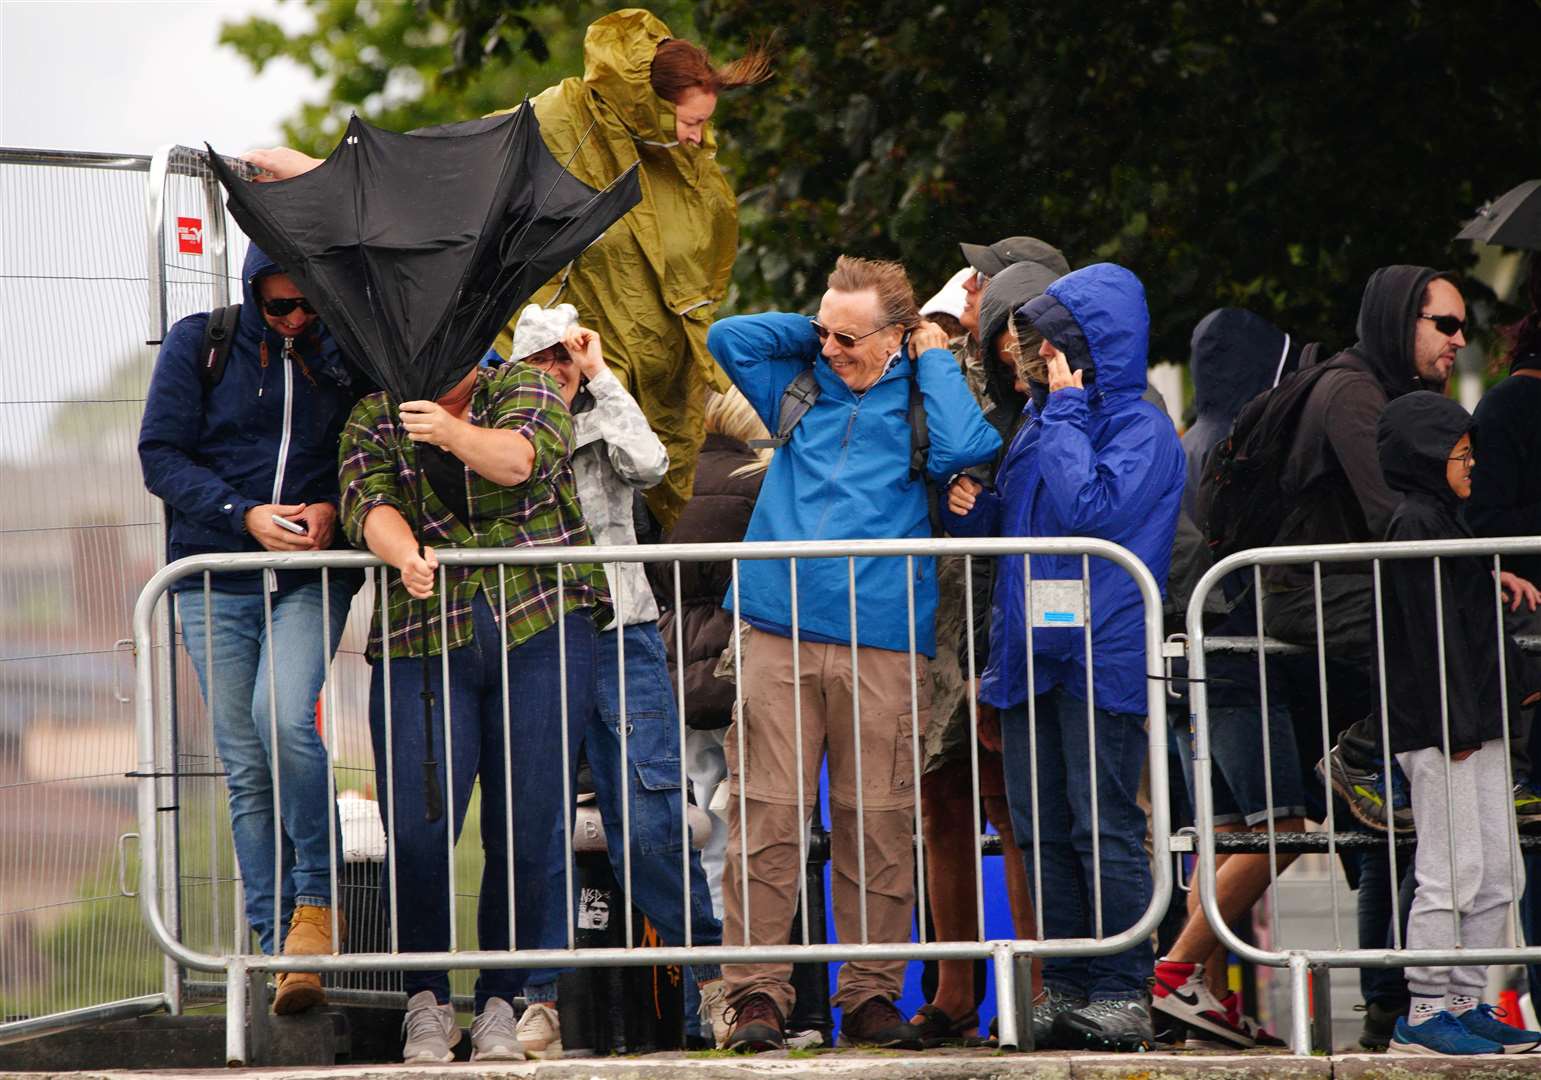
(378, 465)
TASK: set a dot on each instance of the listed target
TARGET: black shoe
(1049, 1006)
(757, 1026)
(875, 1022)
(1380, 1023)
(936, 1028)
(1106, 1025)
(1364, 790)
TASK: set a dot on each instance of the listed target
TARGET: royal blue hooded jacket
(845, 475)
(1096, 462)
(265, 433)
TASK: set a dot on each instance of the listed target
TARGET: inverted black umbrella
(1513, 219)
(417, 249)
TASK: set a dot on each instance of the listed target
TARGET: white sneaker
(493, 1037)
(429, 1030)
(540, 1032)
(714, 1011)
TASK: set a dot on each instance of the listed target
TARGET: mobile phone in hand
(284, 523)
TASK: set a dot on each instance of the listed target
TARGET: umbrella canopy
(417, 249)
(1513, 219)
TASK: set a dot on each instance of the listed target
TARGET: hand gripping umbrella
(417, 249)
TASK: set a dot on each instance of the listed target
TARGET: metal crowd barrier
(1310, 967)
(245, 975)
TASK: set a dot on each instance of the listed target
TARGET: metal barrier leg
(1300, 1006)
(235, 1013)
(1006, 993)
(1321, 1008)
(1023, 1004)
(260, 1050)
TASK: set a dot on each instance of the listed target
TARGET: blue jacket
(1096, 462)
(264, 434)
(845, 474)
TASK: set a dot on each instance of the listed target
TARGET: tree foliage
(1247, 152)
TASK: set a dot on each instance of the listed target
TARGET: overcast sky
(127, 76)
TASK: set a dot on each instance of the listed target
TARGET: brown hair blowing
(680, 65)
(896, 296)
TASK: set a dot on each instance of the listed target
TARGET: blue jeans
(243, 722)
(420, 847)
(653, 758)
(1065, 836)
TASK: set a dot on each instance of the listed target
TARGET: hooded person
(1445, 722)
(246, 461)
(1095, 460)
(1008, 374)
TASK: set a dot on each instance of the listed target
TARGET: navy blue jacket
(1097, 462)
(264, 434)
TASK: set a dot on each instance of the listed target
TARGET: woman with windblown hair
(651, 285)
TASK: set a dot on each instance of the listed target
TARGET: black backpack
(1241, 501)
(803, 391)
(218, 334)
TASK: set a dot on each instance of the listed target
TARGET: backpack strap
(218, 335)
(796, 400)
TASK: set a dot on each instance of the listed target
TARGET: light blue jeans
(244, 719)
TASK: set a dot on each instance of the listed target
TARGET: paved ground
(958, 1065)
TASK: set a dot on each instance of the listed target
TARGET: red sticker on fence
(190, 235)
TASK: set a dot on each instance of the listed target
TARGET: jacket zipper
(283, 442)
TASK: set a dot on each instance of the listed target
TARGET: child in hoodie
(1447, 734)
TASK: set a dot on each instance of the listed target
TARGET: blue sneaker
(1442, 1034)
(1364, 790)
(1483, 1021)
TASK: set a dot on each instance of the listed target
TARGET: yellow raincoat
(652, 283)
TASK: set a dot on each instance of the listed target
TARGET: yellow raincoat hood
(651, 285)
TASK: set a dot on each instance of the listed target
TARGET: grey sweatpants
(1486, 866)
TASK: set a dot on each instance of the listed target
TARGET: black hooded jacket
(1415, 435)
(1333, 470)
(1506, 486)
(1007, 291)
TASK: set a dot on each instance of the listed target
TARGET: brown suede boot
(310, 934)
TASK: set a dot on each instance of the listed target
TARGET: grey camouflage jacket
(615, 452)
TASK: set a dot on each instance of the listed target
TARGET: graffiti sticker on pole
(1059, 603)
(190, 235)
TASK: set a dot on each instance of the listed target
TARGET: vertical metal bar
(738, 713)
(1385, 749)
(508, 751)
(625, 778)
(920, 839)
(1321, 682)
(155, 219)
(567, 780)
(861, 814)
(208, 691)
(1321, 1008)
(449, 748)
(1005, 995)
(235, 1013)
(1444, 727)
(278, 821)
(214, 240)
(1091, 743)
(387, 662)
(1503, 681)
(679, 689)
(1300, 1006)
(1262, 683)
(973, 743)
(328, 725)
(1032, 738)
(797, 742)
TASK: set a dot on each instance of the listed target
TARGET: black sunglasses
(1448, 325)
(846, 341)
(282, 306)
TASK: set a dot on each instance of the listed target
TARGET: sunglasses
(283, 306)
(847, 341)
(1448, 325)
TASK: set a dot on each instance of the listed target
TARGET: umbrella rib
(549, 191)
(576, 217)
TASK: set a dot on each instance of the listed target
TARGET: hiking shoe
(1440, 1035)
(1365, 792)
(1485, 1023)
(1527, 805)
(1049, 1006)
(1380, 1024)
(757, 1026)
(540, 1032)
(429, 1031)
(493, 1036)
(714, 1011)
(310, 934)
(1122, 1025)
(875, 1022)
(1180, 993)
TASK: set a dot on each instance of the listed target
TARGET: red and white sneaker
(1180, 993)
(1244, 1023)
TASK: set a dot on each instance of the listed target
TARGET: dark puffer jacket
(718, 513)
